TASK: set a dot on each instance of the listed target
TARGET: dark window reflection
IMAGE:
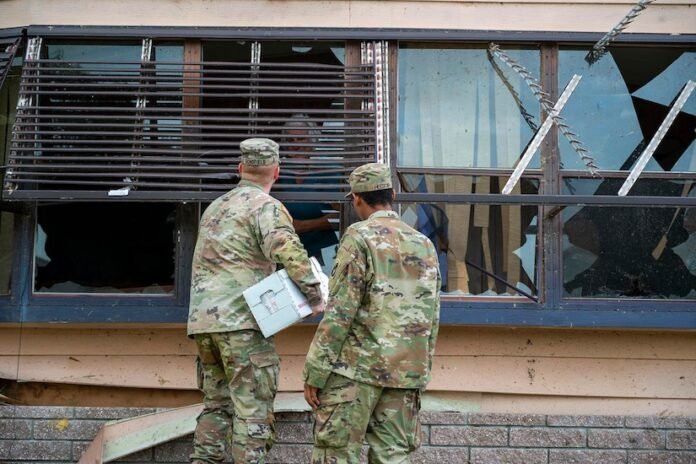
(622, 100)
(500, 239)
(6, 250)
(105, 248)
(89, 110)
(8, 104)
(630, 252)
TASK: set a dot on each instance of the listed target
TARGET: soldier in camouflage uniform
(372, 353)
(242, 235)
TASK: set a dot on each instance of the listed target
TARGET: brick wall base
(60, 435)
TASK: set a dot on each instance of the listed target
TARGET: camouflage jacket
(242, 235)
(382, 318)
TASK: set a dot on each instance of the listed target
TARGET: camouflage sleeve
(346, 292)
(280, 244)
(436, 323)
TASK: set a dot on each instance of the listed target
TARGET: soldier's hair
(377, 197)
(259, 174)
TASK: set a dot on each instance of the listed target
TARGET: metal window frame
(608, 314)
(310, 33)
(554, 309)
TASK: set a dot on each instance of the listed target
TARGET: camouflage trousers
(351, 411)
(238, 375)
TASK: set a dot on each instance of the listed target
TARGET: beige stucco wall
(491, 369)
(663, 16)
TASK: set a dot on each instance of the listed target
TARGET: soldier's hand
(310, 396)
(318, 309)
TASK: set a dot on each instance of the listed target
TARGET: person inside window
(312, 221)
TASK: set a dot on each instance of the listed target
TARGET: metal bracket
(140, 105)
(255, 62)
(657, 138)
(600, 48)
(146, 52)
(376, 53)
(33, 49)
(540, 134)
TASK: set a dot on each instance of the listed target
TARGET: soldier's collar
(384, 213)
(248, 183)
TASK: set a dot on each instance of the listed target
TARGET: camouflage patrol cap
(259, 152)
(369, 177)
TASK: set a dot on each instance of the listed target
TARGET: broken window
(105, 248)
(459, 108)
(611, 252)
(622, 100)
(486, 250)
(460, 114)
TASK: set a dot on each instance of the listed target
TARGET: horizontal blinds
(164, 130)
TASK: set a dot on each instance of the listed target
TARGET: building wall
(61, 435)
(479, 369)
(669, 16)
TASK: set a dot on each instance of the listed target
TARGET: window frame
(552, 311)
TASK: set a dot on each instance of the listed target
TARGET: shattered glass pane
(460, 108)
(500, 239)
(105, 248)
(622, 100)
(635, 252)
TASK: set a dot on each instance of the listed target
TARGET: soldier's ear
(240, 168)
(276, 172)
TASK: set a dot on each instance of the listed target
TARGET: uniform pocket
(333, 420)
(261, 431)
(266, 367)
(199, 374)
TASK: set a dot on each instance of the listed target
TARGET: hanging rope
(515, 96)
(547, 105)
(600, 48)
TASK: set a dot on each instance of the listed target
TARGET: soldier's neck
(265, 186)
(373, 209)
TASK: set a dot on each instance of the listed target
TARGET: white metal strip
(255, 61)
(379, 100)
(540, 134)
(657, 138)
(385, 103)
